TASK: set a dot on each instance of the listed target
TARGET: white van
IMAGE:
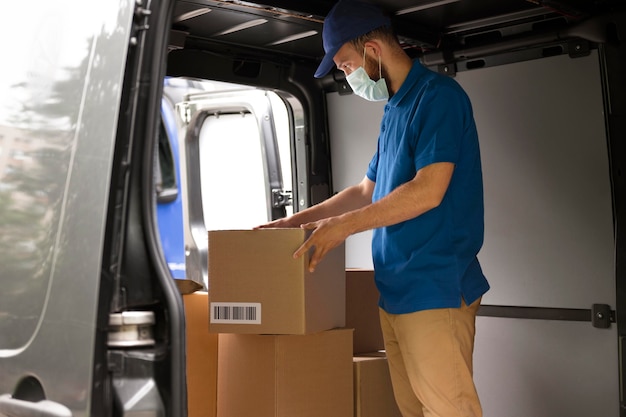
(91, 316)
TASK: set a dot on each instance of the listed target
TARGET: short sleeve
(440, 126)
(372, 168)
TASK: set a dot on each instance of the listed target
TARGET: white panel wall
(548, 215)
(353, 128)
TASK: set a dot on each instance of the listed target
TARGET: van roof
(438, 30)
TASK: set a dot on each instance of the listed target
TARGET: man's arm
(421, 194)
(349, 199)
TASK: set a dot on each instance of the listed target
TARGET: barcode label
(236, 313)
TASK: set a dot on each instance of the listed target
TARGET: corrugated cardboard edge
(187, 286)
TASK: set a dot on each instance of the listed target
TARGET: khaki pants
(430, 360)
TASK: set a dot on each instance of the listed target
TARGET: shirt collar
(413, 77)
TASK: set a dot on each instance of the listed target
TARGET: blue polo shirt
(429, 261)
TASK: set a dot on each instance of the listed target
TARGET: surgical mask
(363, 86)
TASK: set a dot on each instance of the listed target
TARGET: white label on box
(236, 313)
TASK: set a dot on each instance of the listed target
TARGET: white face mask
(363, 86)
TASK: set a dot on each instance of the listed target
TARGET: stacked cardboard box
(373, 393)
(281, 350)
(291, 342)
(362, 311)
(286, 375)
(257, 287)
(201, 357)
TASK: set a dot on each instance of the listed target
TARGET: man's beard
(371, 67)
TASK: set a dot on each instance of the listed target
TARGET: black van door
(91, 322)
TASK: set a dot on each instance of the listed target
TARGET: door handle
(11, 407)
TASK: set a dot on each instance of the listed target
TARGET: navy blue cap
(347, 20)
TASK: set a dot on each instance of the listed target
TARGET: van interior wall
(548, 234)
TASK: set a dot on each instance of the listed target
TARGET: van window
(232, 172)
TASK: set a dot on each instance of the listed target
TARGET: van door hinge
(141, 18)
(131, 329)
(602, 316)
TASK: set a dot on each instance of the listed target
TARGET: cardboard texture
(187, 286)
(286, 375)
(362, 311)
(201, 357)
(373, 393)
(257, 287)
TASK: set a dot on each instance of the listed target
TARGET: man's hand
(283, 223)
(327, 234)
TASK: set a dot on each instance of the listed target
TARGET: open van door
(90, 321)
(53, 196)
(232, 164)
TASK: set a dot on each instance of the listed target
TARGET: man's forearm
(349, 199)
(408, 201)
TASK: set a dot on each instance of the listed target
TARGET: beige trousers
(430, 361)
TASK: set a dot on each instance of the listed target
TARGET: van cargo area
(142, 143)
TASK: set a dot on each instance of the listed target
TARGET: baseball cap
(347, 20)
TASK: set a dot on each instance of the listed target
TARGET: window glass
(232, 172)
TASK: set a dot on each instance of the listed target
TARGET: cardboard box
(362, 311)
(373, 393)
(286, 375)
(257, 287)
(201, 357)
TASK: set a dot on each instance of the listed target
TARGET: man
(423, 197)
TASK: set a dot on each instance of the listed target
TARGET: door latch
(281, 198)
(602, 316)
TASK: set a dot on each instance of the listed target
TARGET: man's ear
(373, 48)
